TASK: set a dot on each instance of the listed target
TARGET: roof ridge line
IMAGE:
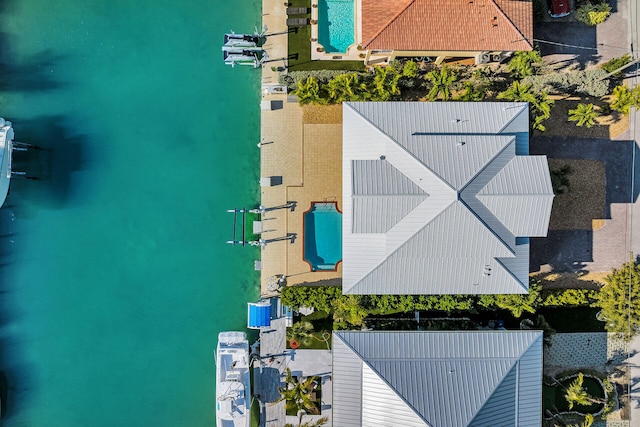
(515, 366)
(526, 105)
(514, 26)
(508, 270)
(393, 18)
(375, 371)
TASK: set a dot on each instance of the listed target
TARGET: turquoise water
(115, 279)
(336, 26)
(323, 236)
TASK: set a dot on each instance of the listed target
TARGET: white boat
(6, 152)
(243, 56)
(244, 40)
(233, 392)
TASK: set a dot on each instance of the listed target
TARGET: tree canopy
(619, 300)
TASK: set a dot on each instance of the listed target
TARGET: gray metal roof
(437, 379)
(437, 195)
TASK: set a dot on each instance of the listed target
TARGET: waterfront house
(440, 198)
(484, 30)
(437, 379)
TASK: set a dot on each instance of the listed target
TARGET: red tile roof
(475, 25)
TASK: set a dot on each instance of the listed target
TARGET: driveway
(590, 250)
(564, 41)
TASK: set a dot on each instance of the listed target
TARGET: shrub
(593, 14)
(588, 82)
(292, 78)
(560, 180)
(616, 63)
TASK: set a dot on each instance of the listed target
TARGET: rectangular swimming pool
(336, 29)
(322, 236)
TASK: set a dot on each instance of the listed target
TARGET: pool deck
(308, 157)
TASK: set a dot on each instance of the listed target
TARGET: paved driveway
(565, 40)
(589, 250)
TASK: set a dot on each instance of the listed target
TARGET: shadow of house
(570, 250)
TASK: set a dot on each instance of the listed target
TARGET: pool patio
(352, 53)
(306, 151)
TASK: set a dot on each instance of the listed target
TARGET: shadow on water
(31, 74)
(60, 154)
(16, 376)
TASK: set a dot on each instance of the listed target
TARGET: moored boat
(243, 56)
(243, 40)
(6, 150)
(233, 390)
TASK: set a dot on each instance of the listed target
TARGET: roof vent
(494, 21)
(461, 143)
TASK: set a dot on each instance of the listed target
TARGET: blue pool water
(335, 25)
(323, 236)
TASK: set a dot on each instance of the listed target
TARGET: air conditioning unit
(496, 58)
(483, 58)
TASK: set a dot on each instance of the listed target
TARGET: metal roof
(437, 195)
(437, 379)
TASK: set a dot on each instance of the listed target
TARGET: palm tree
(588, 421)
(578, 395)
(297, 395)
(522, 62)
(518, 92)
(472, 92)
(300, 331)
(385, 84)
(442, 80)
(314, 423)
(583, 114)
(308, 92)
(622, 99)
(540, 104)
(348, 311)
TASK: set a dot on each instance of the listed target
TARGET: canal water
(114, 276)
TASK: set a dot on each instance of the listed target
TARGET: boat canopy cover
(259, 315)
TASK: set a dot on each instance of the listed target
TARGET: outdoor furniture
(298, 10)
(297, 22)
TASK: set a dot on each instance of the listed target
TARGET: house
(440, 198)
(480, 29)
(437, 379)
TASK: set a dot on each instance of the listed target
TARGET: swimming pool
(336, 25)
(322, 236)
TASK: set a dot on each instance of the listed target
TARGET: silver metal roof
(437, 195)
(437, 379)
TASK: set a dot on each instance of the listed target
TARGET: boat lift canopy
(259, 315)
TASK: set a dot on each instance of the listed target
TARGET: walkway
(268, 374)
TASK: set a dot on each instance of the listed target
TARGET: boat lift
(242, 241)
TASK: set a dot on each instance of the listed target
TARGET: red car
(559, 8)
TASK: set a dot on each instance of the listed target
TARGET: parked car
(559, 8)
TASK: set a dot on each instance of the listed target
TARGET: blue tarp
(259, 315)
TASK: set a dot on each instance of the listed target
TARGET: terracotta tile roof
(505, 25)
